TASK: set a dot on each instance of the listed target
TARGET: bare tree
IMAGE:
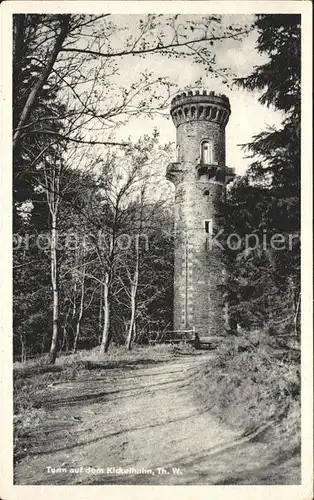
(135, 277)
(52, 170)
(67, 48)
(81, 307)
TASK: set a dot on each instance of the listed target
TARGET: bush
(251, 384)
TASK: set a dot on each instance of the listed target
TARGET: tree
(68, 103)
(121, 178)
(267, 199)
(279, 80)
(19, 33)
(143, 271)
(62, 49)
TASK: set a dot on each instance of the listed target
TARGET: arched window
(207, 152)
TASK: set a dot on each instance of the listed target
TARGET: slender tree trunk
(81, 310)
(134, 286)
(134, 331)
(64, 337)
(74, 301)
(297, 318)
(64, 342)
(296, 304)
(55, 291)
(106, 337)
(70, 337)
(130, 337)
(100, 315)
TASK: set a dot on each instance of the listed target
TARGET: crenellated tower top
(200, 105)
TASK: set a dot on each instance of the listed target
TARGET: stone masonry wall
(198, 298)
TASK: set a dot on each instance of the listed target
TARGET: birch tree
(52, 171)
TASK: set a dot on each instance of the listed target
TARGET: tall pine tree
(267, 199)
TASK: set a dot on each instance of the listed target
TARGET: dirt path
(147, 420)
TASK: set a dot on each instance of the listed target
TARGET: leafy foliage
(265, 284)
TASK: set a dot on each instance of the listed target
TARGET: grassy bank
(249, 383)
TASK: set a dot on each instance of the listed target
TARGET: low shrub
(248, 384)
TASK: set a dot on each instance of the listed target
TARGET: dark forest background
(71, 179)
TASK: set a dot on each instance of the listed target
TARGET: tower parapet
(196, 105)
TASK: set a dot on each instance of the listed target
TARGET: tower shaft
(199, 176)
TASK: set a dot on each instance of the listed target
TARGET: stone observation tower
(199, 175)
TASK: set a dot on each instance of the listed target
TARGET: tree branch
(157, 48)
(79, 141)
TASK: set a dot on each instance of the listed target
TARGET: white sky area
(248, 117)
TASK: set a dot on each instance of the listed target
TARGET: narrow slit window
(208, 226)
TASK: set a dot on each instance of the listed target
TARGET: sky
(248, 116)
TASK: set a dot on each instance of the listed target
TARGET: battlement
(200, 104)
(200, 92)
